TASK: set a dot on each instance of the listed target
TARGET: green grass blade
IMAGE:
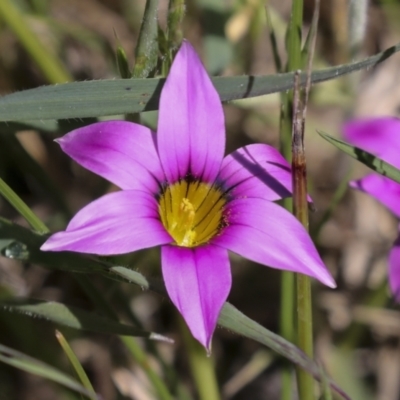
(39, 368)
(74, 317)
(138, 354)
(122, 63)
(121, 96)
(141, 358)
(273, 41)
(375, 163)
(22, 244)
(230, 318)
(235, 321)
(326, 393)
(73, 359)
(51, 67)
(30, 166)
(21, 207)
(201, 365)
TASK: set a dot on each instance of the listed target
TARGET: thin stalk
(131, 343)
(273, 41)
(202, 367)
(141, 358)
(122, 63)
(51, 67)
(73, 359)
(138, 354)
(305, 381)
(294, 36)
(287, 328)
(146, 52)
(30, 166)
(19, 205)
(176, 12)
(293, 46)
(176, 386)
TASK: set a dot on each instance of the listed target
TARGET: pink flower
(381, 137)
(178, 191)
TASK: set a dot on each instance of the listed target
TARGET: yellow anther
(189, 213)
(192, 212)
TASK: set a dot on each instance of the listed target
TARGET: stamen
(192, 212)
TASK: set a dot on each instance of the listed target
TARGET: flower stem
(305, 381)
(201, 366)
(293, 46)
(141, 358)
(287, 328)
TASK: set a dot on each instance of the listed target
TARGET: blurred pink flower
(178, 191)
(381, 137)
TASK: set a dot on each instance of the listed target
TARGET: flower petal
(394, 269)
(266, 233)
(191, 132)
(198, 281)
(122, 152)
(257, 170)
(117, 223)
(379, 136)
(382, 189)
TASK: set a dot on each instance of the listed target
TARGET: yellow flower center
(192, 212)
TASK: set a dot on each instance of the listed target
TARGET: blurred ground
(232, 38)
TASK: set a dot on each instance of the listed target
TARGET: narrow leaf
(146, 52)
(375, 163)
(22, 244)
(176, 12)
(73, 359)
(21, 207)
(122, 63)
(49, 64)
(235, 321)
(121, 96)
(73, 317)
(273, 41)
(230, 318)
(39, 368)
(30, 166)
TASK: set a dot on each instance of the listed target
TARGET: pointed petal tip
(205, 342)
(324, 276)
(330, 282)
(48, 246)
(54, 242)
(198, 282)
(354, 184)
(198, 112)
